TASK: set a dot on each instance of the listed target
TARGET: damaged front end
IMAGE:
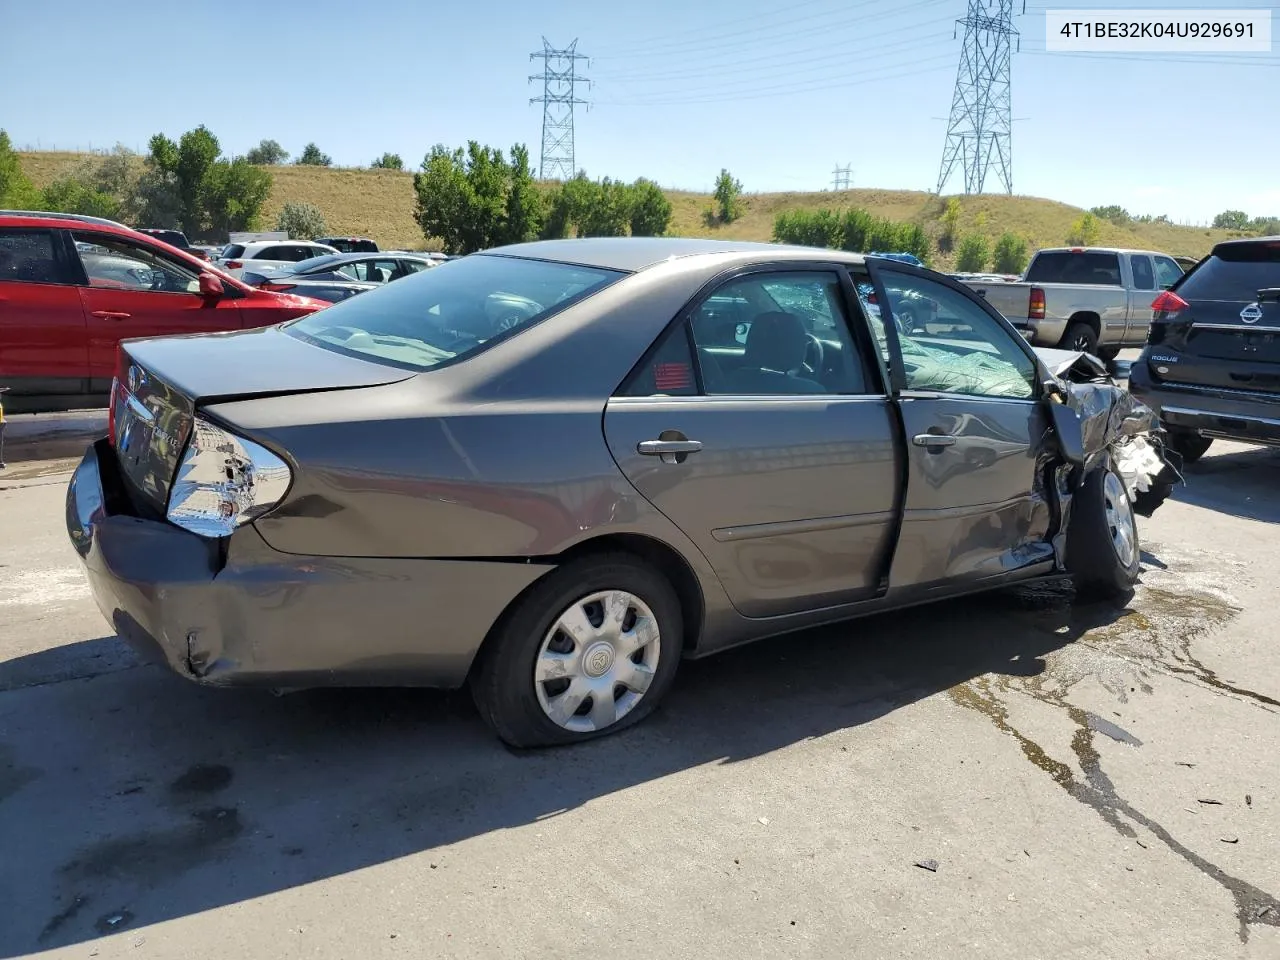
(1098, 423)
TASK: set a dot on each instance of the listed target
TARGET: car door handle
(110, 315)
(656, 448)
(933, 440)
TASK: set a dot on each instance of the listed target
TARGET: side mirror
(211, 286)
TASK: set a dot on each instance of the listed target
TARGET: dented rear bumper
(240, 613)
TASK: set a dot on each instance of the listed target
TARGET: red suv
(73, 287)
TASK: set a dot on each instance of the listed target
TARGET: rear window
(172, 237)
(1235, 273)
(1067, 267)
(451, 312)
(231, 251)
(28, 256)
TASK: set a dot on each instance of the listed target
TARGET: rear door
(134, 290)
(969, 401)
(44, 345)
(1226, 337)
(1141, 295)
(766, 435)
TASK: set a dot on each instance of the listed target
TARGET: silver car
(552, 471)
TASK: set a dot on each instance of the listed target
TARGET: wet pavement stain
(203, 778)
(1183, 599)
(59, 919)
(153, 858)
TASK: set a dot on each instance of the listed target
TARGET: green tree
(912, 239)
(856, 230)
(187, 186)
(1011, 254)
(973, 254)
(311, 156)
(950, 225)
(650, 209)
(728, 197)
(475, 198)
(1115, 213)
(885, 236)
(268, 153)
(1265, 226)
(302, 221)
(388, 161)
(72, 195)
(16, 191)
(1085, 231)
(1231, 220)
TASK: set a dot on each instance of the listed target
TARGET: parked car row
(335, 277)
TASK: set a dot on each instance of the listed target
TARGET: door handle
(933, 440)
(656, 448)
(110, 315)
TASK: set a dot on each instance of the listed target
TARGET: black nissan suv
(1211, 367)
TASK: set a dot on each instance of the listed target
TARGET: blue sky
(779, 92)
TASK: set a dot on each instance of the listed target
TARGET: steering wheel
(815, 355)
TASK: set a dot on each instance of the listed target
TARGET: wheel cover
(597, 661)
(1120, 522)
(1081, 342)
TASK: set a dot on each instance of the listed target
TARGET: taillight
(276, 287)
(117, 384)
(234, 265)
(1035, 306)
(1168, 305)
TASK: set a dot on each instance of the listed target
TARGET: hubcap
(597, 661)
(1120, 521)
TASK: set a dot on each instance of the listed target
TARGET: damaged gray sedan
(551, 471)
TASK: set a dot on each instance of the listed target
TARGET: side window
(961, 349)
(28, 256)
(778, 334)
(352, 271)
(1167, 272)
(383, 271)
(667, 371)
(413, 266)
(1143, 278)
(116, 264)
(871, 310)
(270, 253)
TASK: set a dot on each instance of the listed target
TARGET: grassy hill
(379, 204)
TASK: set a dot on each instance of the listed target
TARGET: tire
(1190, 445)
(1101, 568)
(1080, 336)
(1108, 354)
(519, 708)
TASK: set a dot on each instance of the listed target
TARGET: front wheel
(1103, 552)
(590, 650)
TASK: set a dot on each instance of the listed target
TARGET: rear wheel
(1080, 336)
(1191, 446)
(590, 650)
(1103, 552)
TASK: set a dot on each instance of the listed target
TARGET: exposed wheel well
(661, 557)
(1092, 319)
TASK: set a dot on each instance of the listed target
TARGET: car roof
(59, 220)
(1151, 253)
(632, 254)
(1244, 242)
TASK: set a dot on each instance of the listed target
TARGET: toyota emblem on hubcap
(598, 660)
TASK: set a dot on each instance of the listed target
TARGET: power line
(857, 78)
(559, 97)
(841, 177)
(979, 129)
(784, 17)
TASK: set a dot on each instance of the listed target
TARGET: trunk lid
(161, 384)
(1228, 335)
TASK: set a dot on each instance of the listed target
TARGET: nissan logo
(1251, 314)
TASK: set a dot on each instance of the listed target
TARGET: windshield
(450, 312)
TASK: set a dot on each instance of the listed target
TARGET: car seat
(776, 345)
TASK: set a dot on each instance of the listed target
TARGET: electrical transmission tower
(841, 177)
(979, 129)
(559, 97)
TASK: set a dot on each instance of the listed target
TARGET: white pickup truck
(1093, 299)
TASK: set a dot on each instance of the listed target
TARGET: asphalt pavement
(1009, 776)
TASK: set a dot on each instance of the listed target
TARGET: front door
(43, 345)
(766, 435)
(135, 291)
(974, 424)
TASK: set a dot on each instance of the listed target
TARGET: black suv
(349, 244)
(1211, 367)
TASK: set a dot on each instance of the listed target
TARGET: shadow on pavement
(130, 796)
(1240, 483)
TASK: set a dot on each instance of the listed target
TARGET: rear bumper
(241, 613)
(1208, 411)
(1040, 333)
